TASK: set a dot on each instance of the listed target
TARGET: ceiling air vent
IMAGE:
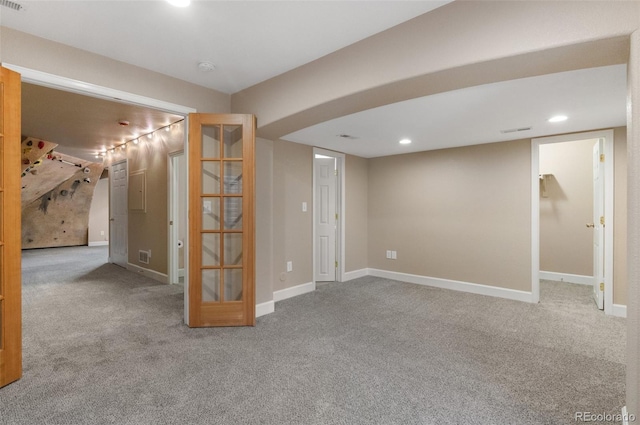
(347, 136)
(11, 5)
(515, 130)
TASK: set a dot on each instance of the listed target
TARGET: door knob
(591, 225)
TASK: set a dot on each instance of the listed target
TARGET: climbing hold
(87, 170)
(30, 143)
(25, 161)
(34, 172)
(87, 180)
(38, 162)
(40, 144)
(64, 192)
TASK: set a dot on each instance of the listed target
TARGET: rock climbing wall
(56, 200)
(53, 169)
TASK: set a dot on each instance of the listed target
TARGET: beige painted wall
(18, 48)
(461, 214)
(148, 229)
(292, 228)
(264, 221)
(566, 243)
(356, 211)
(99, 212)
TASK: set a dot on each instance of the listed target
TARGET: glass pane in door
(233, 249)
(210, 177)
(211, 141)
(233, 141)
(233, 284)
(210, 213)
(210, 249)
(210, 285)
(233, 177)
(233, 213)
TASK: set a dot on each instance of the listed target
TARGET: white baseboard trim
(619, 310)
(98, 243)
(294, 291)
(354, 274)
(160, 277)
(567, 277)
(474, 288)
(263, 309)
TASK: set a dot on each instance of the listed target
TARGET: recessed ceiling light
(558, 118)
(405, 142)
(180, 3)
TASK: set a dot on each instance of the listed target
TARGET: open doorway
(168, 136)
(328, 216)
(572, 197)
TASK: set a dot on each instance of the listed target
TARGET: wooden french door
(10, 244)
(221, 220)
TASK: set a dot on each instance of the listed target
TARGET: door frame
(340, 207)
(173, 214)
(93, 90)
(607, 135)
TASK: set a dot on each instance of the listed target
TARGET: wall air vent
(143, 256)
(11, 5)
(515, 130)
(347, 136)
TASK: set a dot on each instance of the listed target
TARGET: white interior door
(118, 214)
(326, 220)
(598, 223)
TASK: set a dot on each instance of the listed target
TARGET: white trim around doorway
(340, 252)
(607, 135)
(45, 79)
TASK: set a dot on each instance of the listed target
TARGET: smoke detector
(206, 66)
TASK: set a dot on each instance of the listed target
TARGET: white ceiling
(247, 41)
(591, 98)
(252, 41)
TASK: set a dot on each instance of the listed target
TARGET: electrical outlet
(101, 232)
(394, 255)
(388, 254)
(289, 266)
(304, 207)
